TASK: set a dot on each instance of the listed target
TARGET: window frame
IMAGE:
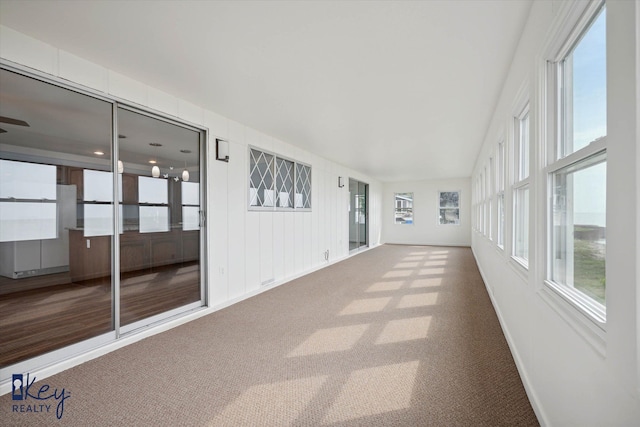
(458, 207)
(557, 160)
(521, 183)
(395, 207)
(500, 194)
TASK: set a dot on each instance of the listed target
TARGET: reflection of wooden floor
(36, 321)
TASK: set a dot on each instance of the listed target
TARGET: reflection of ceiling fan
(11, 121)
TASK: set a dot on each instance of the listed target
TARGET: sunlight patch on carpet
(406, 265)
(426, 282)
(368, 305)
(385, 286)
(431, 271)
(415, 328)
(374, 391)
(341, 338)
(396, 274)
(418, 300)
(270, 404)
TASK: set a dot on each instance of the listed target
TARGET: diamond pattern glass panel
(284, 183)
(261, 179)
(303, 186)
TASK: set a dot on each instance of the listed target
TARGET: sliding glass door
(101, 219)
(56, 204)
(358, 212)
(160, 241)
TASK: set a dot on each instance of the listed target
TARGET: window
(190, 205)
(449, 208)
(521, 188)
(153, 197)
(500, 178)
(284, 183)
(28, 207)
(403, 208)
(303, 186)
(578, 169)
(271, 182)
(490, 179)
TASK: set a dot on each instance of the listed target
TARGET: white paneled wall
(248, 251)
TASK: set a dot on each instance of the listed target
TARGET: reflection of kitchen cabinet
(129, 188)
(76, 178)
(89, 257)
(137, 252)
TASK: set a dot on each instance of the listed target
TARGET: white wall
(246, 248)
(575, 373)
(426, 229)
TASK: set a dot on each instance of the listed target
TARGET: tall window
(500, 178)
(490, 181)
(449, 209)
(403, 208)
(578, 169)
(521, 188)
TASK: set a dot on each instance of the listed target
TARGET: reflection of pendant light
(185, 172)
(120, 166)
(155, 170)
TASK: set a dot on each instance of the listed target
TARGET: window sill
(520, 266)
(586, 325)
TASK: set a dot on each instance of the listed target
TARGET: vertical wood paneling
(237, 209)
(289, 244)
(278, 245)
(266, 247)
(252, 251)
(307, 254)
(217, 213)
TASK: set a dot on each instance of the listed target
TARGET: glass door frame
(203, 155)
(64, 354)
(358, 225)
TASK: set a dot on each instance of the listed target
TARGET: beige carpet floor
(395, 336)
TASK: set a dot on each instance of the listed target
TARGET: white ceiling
(396, 90)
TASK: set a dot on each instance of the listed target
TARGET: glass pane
(449, 199)
(521, 224)
(579, 228)
(303, 186)
(523, 149)
(55, 282)
(404, 208)
(284, 183)
(584, 89)
(450, 216)
(160, 248)
(362, 213)
(501, 219)
(261, 191)
(21, 221)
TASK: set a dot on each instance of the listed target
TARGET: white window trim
(523, 110)
(459, 207)
(580, 312)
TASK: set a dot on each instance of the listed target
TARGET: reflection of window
(27, 201)
(98, 206)
(153, 197)
(577, 184)
(271, 182)
(449, 208)
(404, 208)
(190, 206)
